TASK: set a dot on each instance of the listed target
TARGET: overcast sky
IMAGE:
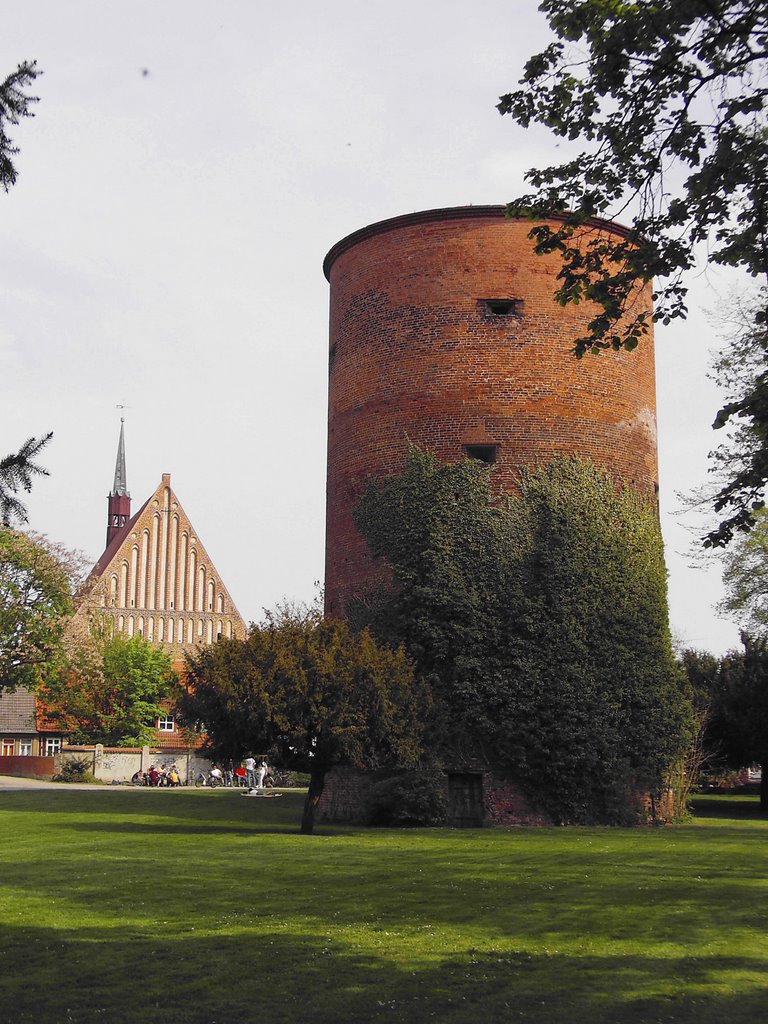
(188, 168)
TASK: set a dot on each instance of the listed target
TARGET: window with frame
(25, 748)
(8, 748)
(52, 745)
(166, 724)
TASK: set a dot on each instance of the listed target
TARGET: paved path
(9, 782)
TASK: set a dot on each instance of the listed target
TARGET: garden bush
(76, 770)
(407, 800)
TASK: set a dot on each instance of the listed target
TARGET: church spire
(120, 486)
(119, 499)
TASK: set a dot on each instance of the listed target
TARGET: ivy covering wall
(539, 621)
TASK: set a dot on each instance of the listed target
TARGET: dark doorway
(465, 800)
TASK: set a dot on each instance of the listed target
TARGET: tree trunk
(316, 786)
(764, 785)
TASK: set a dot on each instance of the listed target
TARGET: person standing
(250, 771)
(263, 769)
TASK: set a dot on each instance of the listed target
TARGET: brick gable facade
(156, 579)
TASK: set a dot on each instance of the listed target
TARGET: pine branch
(16, 474)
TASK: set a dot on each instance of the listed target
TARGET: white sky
(163, 250)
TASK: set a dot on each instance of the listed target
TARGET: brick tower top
(441, 214)
(444, 332)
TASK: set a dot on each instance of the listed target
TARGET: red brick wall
(505, 804)
(345, 797)
(416, 355)
(27, 767)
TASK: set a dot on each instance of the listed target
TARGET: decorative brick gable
(156, 578)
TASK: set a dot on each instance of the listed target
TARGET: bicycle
(206, 779)
(277, 778)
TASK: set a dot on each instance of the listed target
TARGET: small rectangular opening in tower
(504, 307)
(482, 452)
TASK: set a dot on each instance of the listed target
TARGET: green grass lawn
(200, 907)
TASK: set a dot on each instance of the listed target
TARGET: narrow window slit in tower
(504, 307)
(482, 452)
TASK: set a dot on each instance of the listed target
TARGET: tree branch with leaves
(17, 470)
(15, 103)
(108, 688)
(35, 598)
(670, 99)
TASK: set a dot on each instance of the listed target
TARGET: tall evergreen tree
(16, 474)
(16, 469)
(15, 103)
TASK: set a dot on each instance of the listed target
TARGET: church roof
(156, 577)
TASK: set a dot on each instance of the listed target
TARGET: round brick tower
(444, 332)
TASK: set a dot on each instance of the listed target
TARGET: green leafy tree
(739, 712)
(745, 575)
(309, 692)
(739, 463)
(701, 758)
(539, 622)
(35, 598)
(670, 101)
(108, 688)
(701, 670)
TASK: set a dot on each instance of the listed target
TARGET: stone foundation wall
(505, 804)
(501, 803)
(119, 764)
(345, 797)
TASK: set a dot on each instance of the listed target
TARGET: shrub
(76, 770)
(407, 800)
(294, 780)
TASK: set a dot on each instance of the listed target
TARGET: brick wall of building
(27, 767)
(417, 354)
(156, 579)
(500, 801)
